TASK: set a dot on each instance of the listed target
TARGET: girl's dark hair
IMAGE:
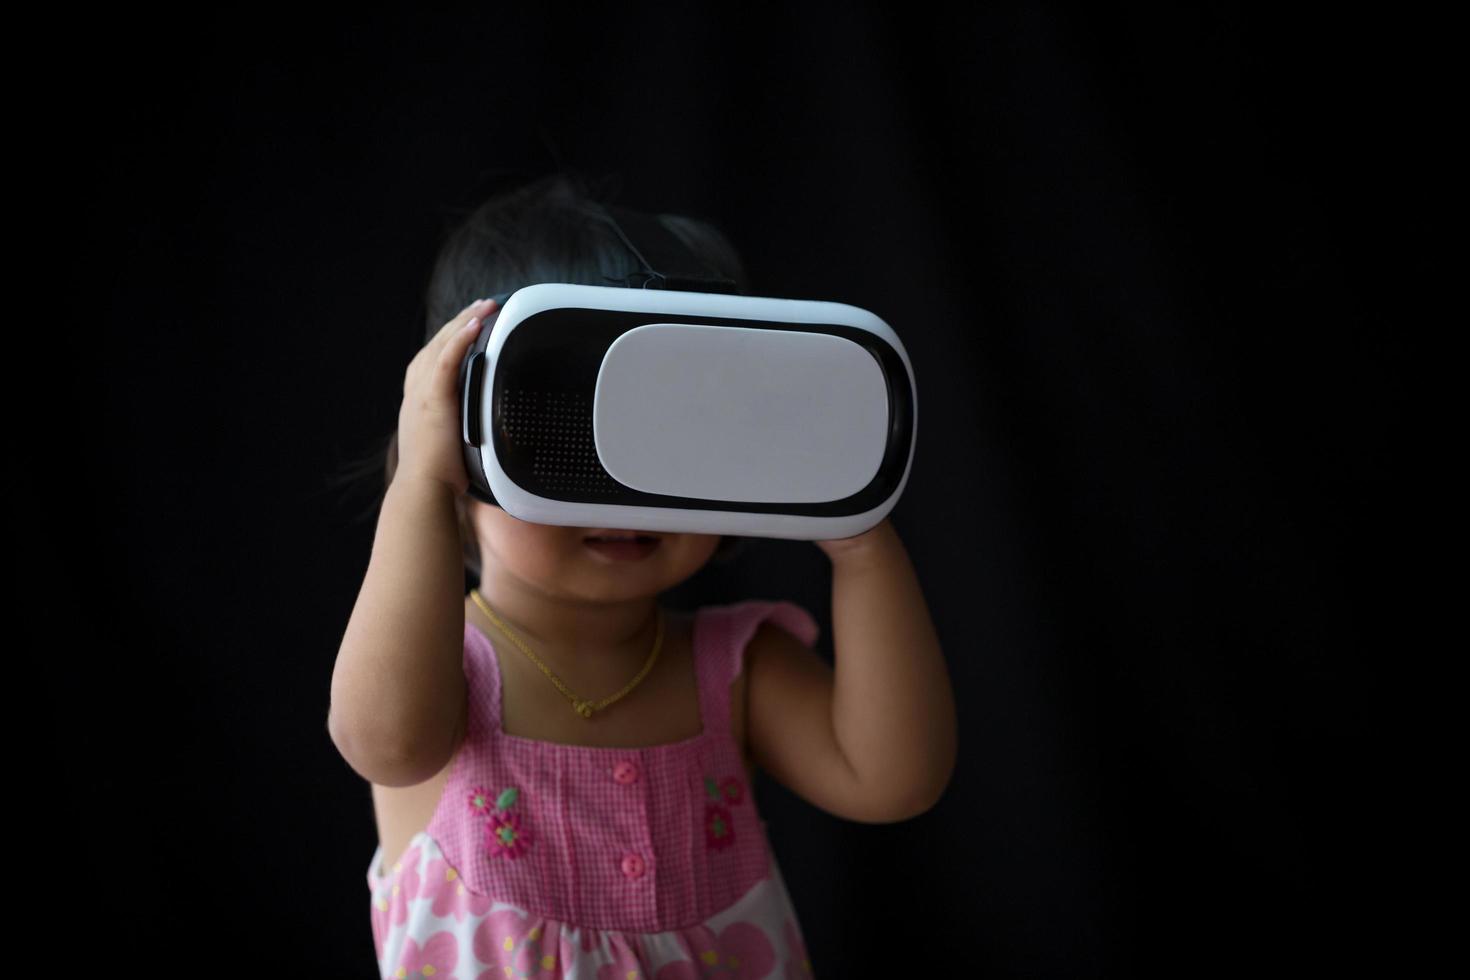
(551, 229)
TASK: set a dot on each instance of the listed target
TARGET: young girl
(560, 766)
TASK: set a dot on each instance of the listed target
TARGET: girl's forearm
(399, 676)
(893, 708)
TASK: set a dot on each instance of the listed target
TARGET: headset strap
(667, 261)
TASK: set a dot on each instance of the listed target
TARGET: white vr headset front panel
(719, 413)
(724, 413)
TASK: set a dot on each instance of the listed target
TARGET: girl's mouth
(632, 548)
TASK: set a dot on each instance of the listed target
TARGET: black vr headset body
(669, 402)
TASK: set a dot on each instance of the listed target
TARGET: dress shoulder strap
(721, 634)
(482, 678)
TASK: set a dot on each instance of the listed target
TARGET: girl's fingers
(456, 343)
(479, 308)
(432, 351)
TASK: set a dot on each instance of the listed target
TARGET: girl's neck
(589, 637)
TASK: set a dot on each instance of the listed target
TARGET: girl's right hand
(429, 419)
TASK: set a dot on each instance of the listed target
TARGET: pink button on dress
(551, 860)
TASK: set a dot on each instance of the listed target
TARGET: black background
(1137, 257)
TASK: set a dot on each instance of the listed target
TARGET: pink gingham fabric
(552, 860)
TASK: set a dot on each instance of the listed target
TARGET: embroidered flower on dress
(729, 788)
(733, 790)
(481, 800)
(505, 833)
(719, 829)
(505, 837)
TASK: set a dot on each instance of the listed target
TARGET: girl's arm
(398, 687)
(399, 698)
(874, 740)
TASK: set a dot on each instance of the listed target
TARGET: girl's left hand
(839, 548)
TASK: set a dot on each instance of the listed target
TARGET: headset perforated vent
(555, 429)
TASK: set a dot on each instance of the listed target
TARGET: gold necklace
(581, 706)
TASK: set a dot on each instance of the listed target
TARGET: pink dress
(548, 860)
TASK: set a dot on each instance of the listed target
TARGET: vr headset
(669, 402)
